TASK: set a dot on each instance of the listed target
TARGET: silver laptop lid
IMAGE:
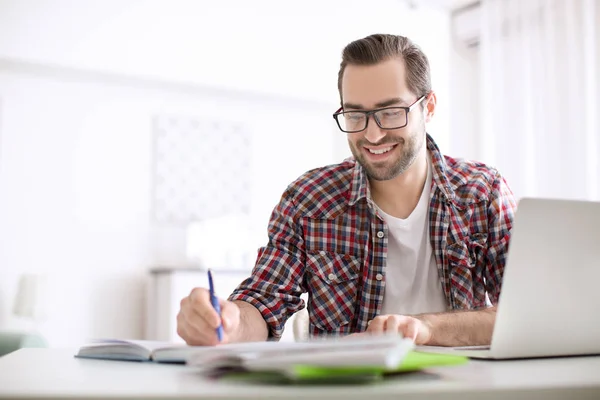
(550, 299)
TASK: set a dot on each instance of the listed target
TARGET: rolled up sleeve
(501, 212)
(275, 285)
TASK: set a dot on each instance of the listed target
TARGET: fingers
(377, 324)
(190, 333)
(192, 328)
(200, 304)
(197, 320)
(409, 327)
(387, 323)
(394, 323)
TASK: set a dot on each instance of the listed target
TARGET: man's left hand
(410, 327)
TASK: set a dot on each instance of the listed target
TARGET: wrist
(251, 324)
(428, 328)
(236, 333)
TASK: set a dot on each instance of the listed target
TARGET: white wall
(79, 82)
(465, 106)
(76, 187)
(231, 43)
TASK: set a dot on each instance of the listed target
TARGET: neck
(398, 197)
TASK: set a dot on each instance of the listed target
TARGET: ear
(430, 104)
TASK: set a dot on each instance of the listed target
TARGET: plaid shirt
(326, 238)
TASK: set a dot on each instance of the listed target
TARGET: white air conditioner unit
(466, 25)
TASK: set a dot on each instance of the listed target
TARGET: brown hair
(376, 48)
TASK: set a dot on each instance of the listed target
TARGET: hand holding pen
(206, 320)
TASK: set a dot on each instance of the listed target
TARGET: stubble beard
(386, 171)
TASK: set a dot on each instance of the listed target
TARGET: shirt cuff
(256, 300)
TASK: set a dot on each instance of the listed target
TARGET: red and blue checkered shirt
(326, 238)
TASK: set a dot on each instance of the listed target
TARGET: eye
(392, 113)
(354, 116)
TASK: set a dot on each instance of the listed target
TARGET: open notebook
(155, 351)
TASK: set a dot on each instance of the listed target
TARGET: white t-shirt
(412, 283)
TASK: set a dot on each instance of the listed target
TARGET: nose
(373, 133)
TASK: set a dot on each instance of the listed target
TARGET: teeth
(381, 151)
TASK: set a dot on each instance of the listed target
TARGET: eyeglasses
(385, 118)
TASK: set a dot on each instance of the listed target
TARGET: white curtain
(540, 83)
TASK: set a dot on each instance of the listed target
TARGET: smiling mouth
(380, 151)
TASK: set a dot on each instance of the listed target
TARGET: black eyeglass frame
(372, 112)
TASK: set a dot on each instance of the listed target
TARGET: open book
(157, 351)
(134, 350)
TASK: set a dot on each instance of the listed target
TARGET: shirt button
(379, 277)
(331, 277)
(380, 234)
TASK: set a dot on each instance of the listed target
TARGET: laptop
(550, 296)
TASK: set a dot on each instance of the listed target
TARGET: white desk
(55, 373)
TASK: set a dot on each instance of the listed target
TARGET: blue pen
(215, 303)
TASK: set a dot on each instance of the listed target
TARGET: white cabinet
(168, 286)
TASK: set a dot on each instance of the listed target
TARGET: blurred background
(143, 141)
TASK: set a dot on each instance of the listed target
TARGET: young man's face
(377, 86)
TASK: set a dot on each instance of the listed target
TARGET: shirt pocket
(333, 289)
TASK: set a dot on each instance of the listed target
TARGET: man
(398, 238)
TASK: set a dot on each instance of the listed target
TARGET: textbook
(349, 359)
(386, 351)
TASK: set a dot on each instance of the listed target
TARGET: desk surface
(55, 373)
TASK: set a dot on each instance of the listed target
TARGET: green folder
(414, 361)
